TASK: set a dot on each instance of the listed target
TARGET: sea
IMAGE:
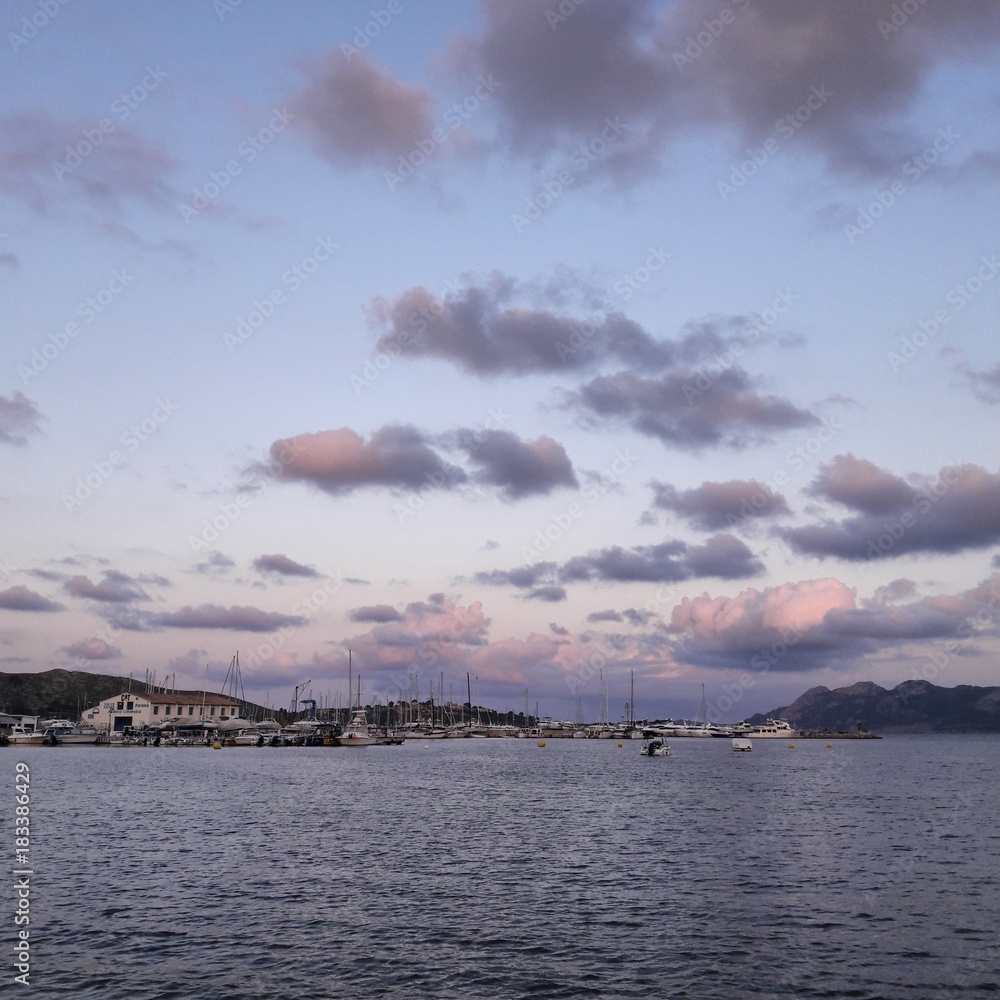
(502, 868)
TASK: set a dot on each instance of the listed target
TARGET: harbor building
(158, 708)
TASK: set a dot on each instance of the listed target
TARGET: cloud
(19, 418)
(546, 593)
(563, 80)
(487, 330)
(358, 113)
(115, 587)
(92, 649)
(239, 618)
(672, 408)
(604, 616)
(217, 562)
(38, 170)
(985, 384)
(282, 566)
(519, 468)
(19, 598)
(376, 613)
(816, 624)
(340, 461)
(722, 556)
(958, 509)
(713, 505)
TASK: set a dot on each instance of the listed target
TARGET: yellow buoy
(216, 746)
(619, 744)
(829, 745)
(541, 743)
(791, 746)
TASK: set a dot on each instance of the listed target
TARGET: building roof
(177, 698)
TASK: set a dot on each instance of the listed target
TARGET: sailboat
(357, 732)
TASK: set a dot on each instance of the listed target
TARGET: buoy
(541, 743)
(791, 746)
(829, 745)
(619, 743)
(216, 746)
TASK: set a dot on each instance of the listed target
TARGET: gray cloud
(340, 461)
(114, 587)
(376, 613)
(19, 598)
(239, 618)
(282, 565)
(713, 506)
(955, 510)
(19, 418)
(561, 81)
(722, 556)
(729, 412)
(358, 113)
(93, 649)
(125, 166)
(519, 468)
(817, 624)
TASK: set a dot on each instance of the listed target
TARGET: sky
(564, 345)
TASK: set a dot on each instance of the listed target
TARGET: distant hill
(910, 707)
(57, 692)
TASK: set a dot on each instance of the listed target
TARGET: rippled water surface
(496, 868)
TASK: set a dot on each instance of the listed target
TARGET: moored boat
(62, 732)
(357, 732)
(742, 744)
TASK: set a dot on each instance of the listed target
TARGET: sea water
(499, 868)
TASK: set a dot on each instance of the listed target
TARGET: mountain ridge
(913, 706)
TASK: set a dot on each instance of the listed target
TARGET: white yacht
(771, 729)
(356, 733)
(62, 732)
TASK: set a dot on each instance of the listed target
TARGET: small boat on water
(356, 733)
(62, 732)
(742, 744)
(655, 748)
(25, 735)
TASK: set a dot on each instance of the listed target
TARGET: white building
(131, 708)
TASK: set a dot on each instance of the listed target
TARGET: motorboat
(62, 732)
(771, 729)
(25, 735)
(356, 733)
(655, 748)
(742, 744)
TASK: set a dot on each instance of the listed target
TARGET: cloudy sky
(539, 341)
